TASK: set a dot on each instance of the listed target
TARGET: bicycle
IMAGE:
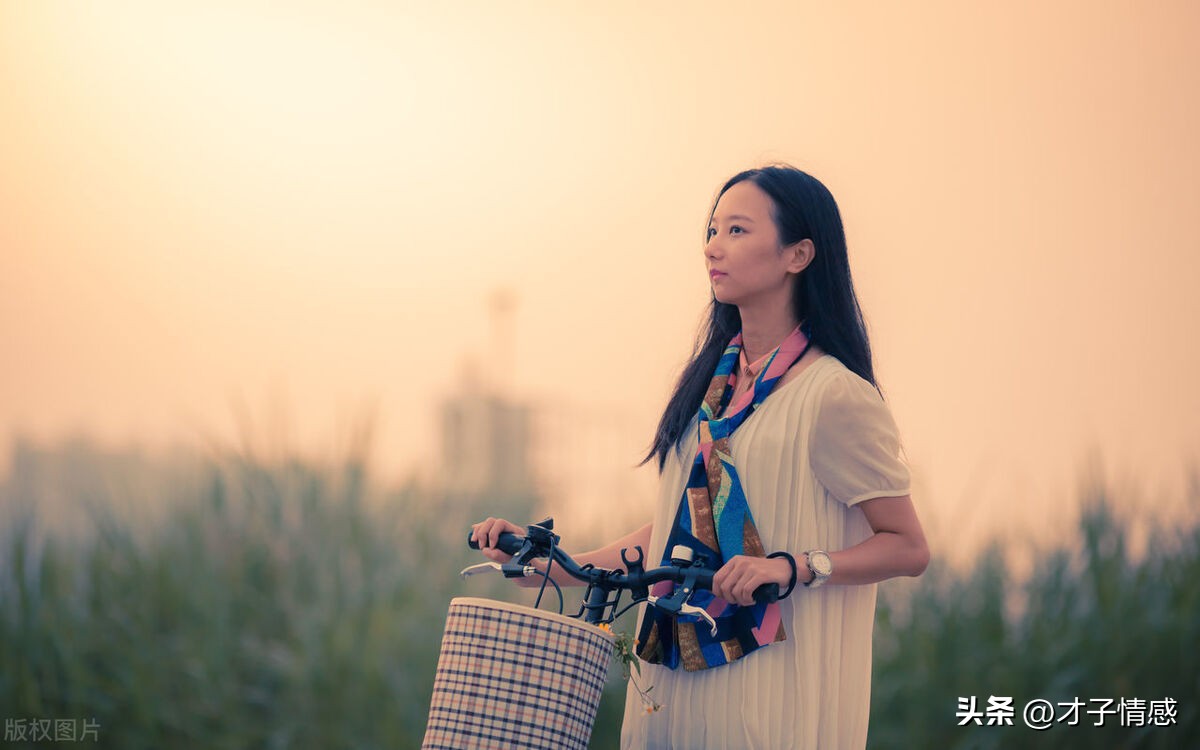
(514, 676)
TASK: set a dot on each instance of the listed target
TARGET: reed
(1090, 620)
(285, 607)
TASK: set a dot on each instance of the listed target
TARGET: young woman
(779, 463)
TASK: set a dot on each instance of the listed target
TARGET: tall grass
(1087, 620)
(285, 608)
(274, 611)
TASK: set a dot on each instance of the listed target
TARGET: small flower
(626, 653)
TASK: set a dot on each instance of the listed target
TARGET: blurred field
(294, 606)
(1087, 619)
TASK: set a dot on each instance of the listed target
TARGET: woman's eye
(735, 228)
(711, 232)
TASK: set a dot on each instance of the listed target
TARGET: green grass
(292, 608)
(1092, 621)
(273, 611)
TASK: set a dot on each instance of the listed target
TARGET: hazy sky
(304, 208)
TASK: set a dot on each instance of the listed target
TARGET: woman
(780, 464)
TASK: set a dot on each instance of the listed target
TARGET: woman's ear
(802, 253)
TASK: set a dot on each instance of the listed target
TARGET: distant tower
(502, 306)
(486, 435)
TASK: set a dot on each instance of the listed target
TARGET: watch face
(820, 563)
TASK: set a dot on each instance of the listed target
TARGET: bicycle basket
(512, 676)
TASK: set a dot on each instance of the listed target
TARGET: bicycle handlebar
(511, 544)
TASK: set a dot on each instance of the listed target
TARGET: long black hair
(822, 294)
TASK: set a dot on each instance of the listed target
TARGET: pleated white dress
(818, 445)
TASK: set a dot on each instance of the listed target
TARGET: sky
(294, 216)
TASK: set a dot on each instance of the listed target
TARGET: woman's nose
(712, 249)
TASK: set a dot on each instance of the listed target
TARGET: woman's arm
(609, 556)
(897, 548)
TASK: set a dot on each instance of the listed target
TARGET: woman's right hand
(487, 535)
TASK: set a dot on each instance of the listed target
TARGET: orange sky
(306, 209)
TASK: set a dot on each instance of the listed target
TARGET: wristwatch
(820, 565)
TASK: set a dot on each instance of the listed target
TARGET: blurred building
(485, 445)
(484, 463)
(503, 457)
(500, 455)
(586, 457)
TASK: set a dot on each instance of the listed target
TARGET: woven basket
(513, 677)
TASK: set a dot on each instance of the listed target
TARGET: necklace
(751, 369)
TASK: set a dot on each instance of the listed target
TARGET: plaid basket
(513, 677)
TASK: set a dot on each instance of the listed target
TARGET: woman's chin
(723, 298)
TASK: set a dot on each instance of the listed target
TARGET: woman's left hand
(737, 579)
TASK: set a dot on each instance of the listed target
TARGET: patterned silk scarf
(714, 520)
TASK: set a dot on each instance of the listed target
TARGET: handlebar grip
(508, 543)
(768, 593)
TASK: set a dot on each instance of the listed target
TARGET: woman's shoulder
(822, 368)
(834, 372)
(843, 399)
(815, 357)
(829, 383)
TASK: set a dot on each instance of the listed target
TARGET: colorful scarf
(714, 520)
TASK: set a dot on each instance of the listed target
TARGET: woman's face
(746, 264)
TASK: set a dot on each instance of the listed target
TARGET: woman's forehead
(745, 200)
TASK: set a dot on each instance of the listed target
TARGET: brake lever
(677, 602)
(670, 605)
(486, 567)
(474, 570)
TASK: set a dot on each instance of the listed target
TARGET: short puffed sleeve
(855, 448)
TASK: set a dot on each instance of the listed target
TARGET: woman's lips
(714, 274)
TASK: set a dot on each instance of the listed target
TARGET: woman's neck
(763, 330)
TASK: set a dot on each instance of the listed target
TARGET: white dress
(816, 447)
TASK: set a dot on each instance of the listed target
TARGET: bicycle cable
(546, 577)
